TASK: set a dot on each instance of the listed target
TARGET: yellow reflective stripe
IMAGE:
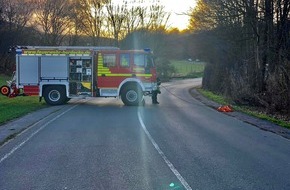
(103, 70)
(115, 75)
(144, 75)
(56, 52)
(124, 75)
(87, 85)
(138, 69)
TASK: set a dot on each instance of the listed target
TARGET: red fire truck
(60, 73)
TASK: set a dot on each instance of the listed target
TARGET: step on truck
(61, 73)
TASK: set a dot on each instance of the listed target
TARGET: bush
(164, 69)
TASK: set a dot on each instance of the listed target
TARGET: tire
(5, 90)
(132, 95)
(55, 95)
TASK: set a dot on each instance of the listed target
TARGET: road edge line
(15, 148)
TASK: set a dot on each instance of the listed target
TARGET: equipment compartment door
(54, 67)
(28, 70)
(80, 76)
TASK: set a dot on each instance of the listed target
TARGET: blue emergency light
(18, 51)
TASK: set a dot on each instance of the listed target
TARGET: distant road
(178, 144)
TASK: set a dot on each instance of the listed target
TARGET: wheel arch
(45, 85)
(130, 81)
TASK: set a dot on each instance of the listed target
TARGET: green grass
(248, 110)
(11, 108)
(263, 116)
(3, 79)
(214, 97)
(188, 69)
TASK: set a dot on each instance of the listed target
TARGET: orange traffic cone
(226, 108)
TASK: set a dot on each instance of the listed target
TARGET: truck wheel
(132, 95)
(5, 90)
(55, 95)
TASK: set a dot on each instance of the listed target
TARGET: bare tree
(1, 12)
(14, 18)
(202, 17)
(16, 13)
(132, 21)
(115, 19)
(249, 44)
(53, 19)
(91, 18)
(125, 18)
(157, 17)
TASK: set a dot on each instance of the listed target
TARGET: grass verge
(187, 69)
(11, 108)
(247, 110)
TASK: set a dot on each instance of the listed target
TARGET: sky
(177, 8)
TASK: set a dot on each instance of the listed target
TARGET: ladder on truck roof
(68, 47)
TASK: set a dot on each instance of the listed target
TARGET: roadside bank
(262, 124)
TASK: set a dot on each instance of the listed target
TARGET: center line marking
(169, 164)
(33, 134)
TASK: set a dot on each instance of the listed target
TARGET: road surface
(178, 144)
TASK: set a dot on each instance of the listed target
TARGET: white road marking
(169, 164)
(33, 134)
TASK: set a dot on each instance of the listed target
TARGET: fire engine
(60, 73)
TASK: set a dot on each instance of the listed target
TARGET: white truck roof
(68, 47)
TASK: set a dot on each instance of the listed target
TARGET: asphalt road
(178, 144)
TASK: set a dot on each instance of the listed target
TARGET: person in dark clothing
(156, 92)
(154, 97)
